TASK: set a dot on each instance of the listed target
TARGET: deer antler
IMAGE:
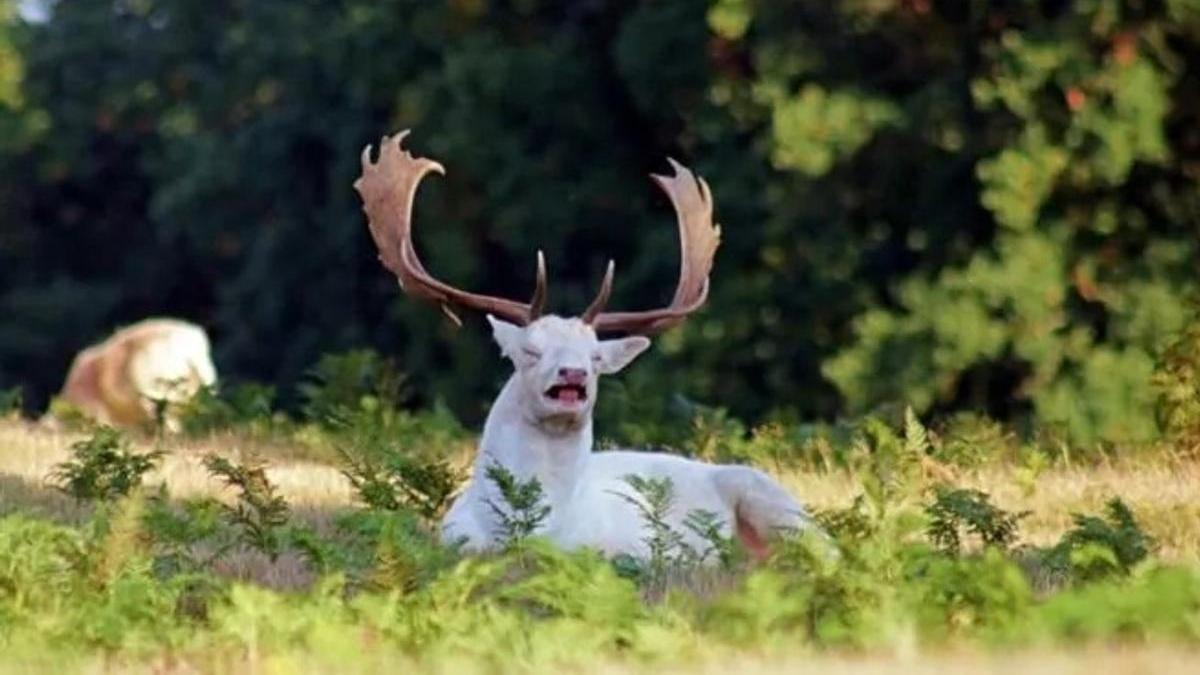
(388, 187)
(698, 241)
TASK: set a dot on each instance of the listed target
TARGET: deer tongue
(568, 394)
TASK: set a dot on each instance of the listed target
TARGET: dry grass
(316, 492)
(28, 454)
(1163, 491)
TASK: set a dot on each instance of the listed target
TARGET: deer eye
(532, 353)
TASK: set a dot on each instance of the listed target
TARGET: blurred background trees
(958, 205)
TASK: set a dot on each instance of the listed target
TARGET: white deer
(541, 424)
(121, 380)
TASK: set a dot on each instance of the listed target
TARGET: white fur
(173, 365)
(118, 380)
(533, 436)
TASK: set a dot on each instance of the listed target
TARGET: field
(936, 273)
(333, 584)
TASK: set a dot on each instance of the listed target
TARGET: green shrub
(341, 386)
(12, 403)
(969, 439)
(61, 588)
(670, 556)
(386, 478)
(188, 536)
(1098, 547)
(385, 550)
(1159, 604)
(524, 508)
(103, 467)
(984, 596)
(260, 513)
(246, 407)
(956, 512)
(1177, 382)
(40, 565)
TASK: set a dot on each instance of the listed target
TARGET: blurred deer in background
(142, 371)
(540, 426)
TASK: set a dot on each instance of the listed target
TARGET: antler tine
(601, 300)
(388, 187)
(537, 305)
(699, 238)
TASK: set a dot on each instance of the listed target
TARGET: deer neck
(553, 452)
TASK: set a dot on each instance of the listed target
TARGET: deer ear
(616, 354)
(508, 336)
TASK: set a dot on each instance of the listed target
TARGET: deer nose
(572, 375)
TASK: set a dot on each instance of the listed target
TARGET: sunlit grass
(1093, 660)
(1163, 490)
(29, 453)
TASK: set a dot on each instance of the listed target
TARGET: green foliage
(955, 512)
(247, 406)
(1177, 380)
(188, 536)
(960, 207)
(814, 128)
(671, 558)
(970, 440)
(341, 385)
(394, 459)
(1102, 546)
(523, 510)
(985, 595)
(37, 562)
(11, 402)
(391, 550)
(396, 481)
(653, 499)
(60, 586)
(1160, 604)
(137, 580)
(708, 526)
(1068, 118)
(103, 467)
(260, 513)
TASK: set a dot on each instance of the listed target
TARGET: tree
(1018, 171)
(951, 204)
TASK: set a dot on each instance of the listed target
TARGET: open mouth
(567, 393)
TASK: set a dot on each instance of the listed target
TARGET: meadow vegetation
(307, 543)
(962, 235)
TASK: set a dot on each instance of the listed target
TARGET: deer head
(557, 360)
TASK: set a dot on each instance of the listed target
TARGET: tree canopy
(967, 204)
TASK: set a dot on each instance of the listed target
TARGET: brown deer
(121, 380)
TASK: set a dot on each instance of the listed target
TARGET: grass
(1138, 660)
(317, 492)
(1162, 488)
(28, 453)
(1111, 661)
